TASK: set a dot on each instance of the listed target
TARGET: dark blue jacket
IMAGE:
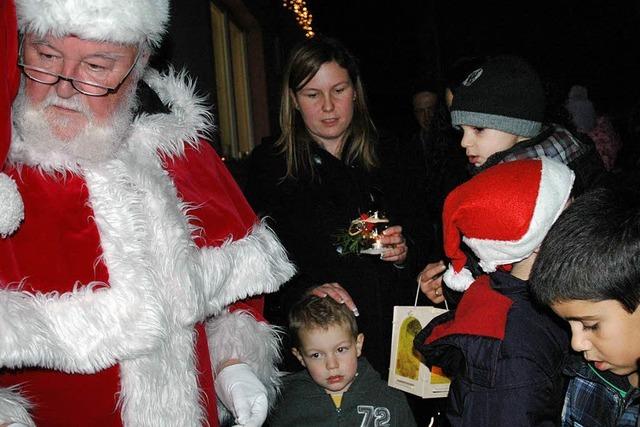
(503, 354)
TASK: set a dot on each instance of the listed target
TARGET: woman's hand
(338, 293)
(395, 246)
(430, 280)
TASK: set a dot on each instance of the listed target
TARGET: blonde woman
(323, 172)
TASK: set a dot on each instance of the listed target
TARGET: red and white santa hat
(502, 214)
(118, 21)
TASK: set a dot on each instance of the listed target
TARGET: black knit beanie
(504, 93)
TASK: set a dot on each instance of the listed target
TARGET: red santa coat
(119, 264)
(11, 205)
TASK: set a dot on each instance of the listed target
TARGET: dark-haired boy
(338, 386)
(588, 271)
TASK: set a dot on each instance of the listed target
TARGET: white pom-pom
(458, 281)
(11, 206)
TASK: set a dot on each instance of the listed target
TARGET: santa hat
(12, 211)
(118, 21)
(502, 214)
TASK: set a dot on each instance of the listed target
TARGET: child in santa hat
(500, 107)
(503, 354)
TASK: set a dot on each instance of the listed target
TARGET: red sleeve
(203, 181)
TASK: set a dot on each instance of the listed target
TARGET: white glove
(240, 390)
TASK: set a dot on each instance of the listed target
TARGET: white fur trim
(12, 212)
(258, 264)
(457, 281)
(120, 21)
(189, 121)
(160, 282)
(14, 408)
(255, 343)
(90, 329)
(82, 331)
(554, 192)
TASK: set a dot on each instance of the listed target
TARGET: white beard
(94, 143)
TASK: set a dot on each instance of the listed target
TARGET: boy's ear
(298, 356)
(359, 343)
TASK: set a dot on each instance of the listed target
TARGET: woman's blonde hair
(304, 62)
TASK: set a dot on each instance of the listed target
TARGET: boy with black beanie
(500, 107)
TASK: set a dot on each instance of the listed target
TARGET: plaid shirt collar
(554, 142)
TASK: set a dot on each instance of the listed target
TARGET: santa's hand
(240, 390)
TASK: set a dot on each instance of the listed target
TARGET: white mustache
(73, 103)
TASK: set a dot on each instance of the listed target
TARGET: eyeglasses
(48, 77)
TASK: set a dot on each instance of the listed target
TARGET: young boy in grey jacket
(338, 387)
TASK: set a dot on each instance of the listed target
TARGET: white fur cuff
(253, 265)
(239, 335)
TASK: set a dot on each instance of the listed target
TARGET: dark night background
(594, 43)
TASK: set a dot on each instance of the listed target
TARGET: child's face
(330, 356)
(604, 332)
(481, 143)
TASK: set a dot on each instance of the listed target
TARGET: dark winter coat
(369, 402)
(307, 216)
(504, 356)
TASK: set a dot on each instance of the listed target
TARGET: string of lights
(303, 16)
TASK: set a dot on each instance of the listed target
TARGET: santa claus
(119, 291)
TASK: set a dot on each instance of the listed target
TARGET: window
(233, 88)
